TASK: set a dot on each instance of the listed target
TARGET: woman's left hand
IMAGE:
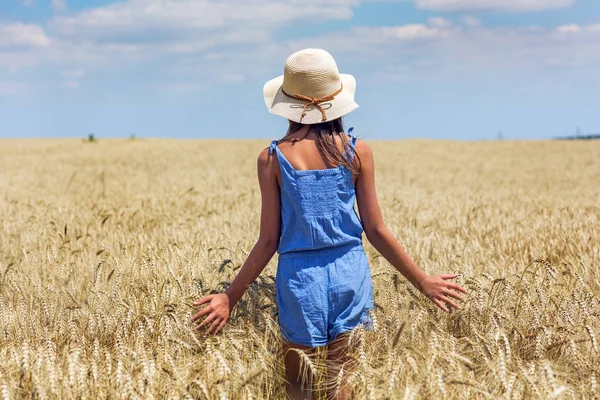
(217, 311)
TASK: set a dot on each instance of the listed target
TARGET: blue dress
(323, 281)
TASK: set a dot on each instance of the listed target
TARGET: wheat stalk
(95, 292)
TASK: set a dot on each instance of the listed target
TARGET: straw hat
(311, 89)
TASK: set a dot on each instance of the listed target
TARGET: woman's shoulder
(363, 149)
(266, 157)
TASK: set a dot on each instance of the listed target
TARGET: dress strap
(273, 146)
(284, 164)
(349, 154)
(352, 137)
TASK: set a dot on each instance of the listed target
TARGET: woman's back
(302, 150)
(317, 197)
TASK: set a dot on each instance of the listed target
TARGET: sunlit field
(104, 246)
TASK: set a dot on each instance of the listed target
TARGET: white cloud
(22, 45)
(208, 43)
(27, 3)
(146, 29)
(72, 84)
(72, 73)
(58, 5)
(181, 87)
(233, 78)
(168, 21)
(471, 21)
(12, 89)
(493, 5)
(403, 33)
(438, 22)
(365, 42)
(578, 33)
(594, 28)
(142, 29)
(72, 78)
(19, 35)
(424, 50)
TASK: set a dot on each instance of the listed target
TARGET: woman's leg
(339, 365)
(299, 370)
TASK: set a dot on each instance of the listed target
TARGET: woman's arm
(221, 304)
(436, 288)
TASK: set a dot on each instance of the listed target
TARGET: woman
(309, 181)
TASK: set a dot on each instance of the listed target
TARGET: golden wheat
(103, 247)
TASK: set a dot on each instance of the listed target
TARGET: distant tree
(132, 137)
(500, 135)
(91, 138)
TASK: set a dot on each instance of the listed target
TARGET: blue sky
(451, 69)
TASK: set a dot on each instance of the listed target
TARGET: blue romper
(323, 281)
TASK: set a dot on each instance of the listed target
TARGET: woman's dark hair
(325, 133)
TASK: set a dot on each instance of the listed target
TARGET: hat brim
(279, 104)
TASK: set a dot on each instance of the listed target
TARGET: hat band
(316, 101)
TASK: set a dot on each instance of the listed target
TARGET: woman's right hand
(217, 311)
(439, 290)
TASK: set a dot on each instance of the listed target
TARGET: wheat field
(103, 247)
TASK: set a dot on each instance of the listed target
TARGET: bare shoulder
(364, 151)
(264, 157)
(266, 160)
